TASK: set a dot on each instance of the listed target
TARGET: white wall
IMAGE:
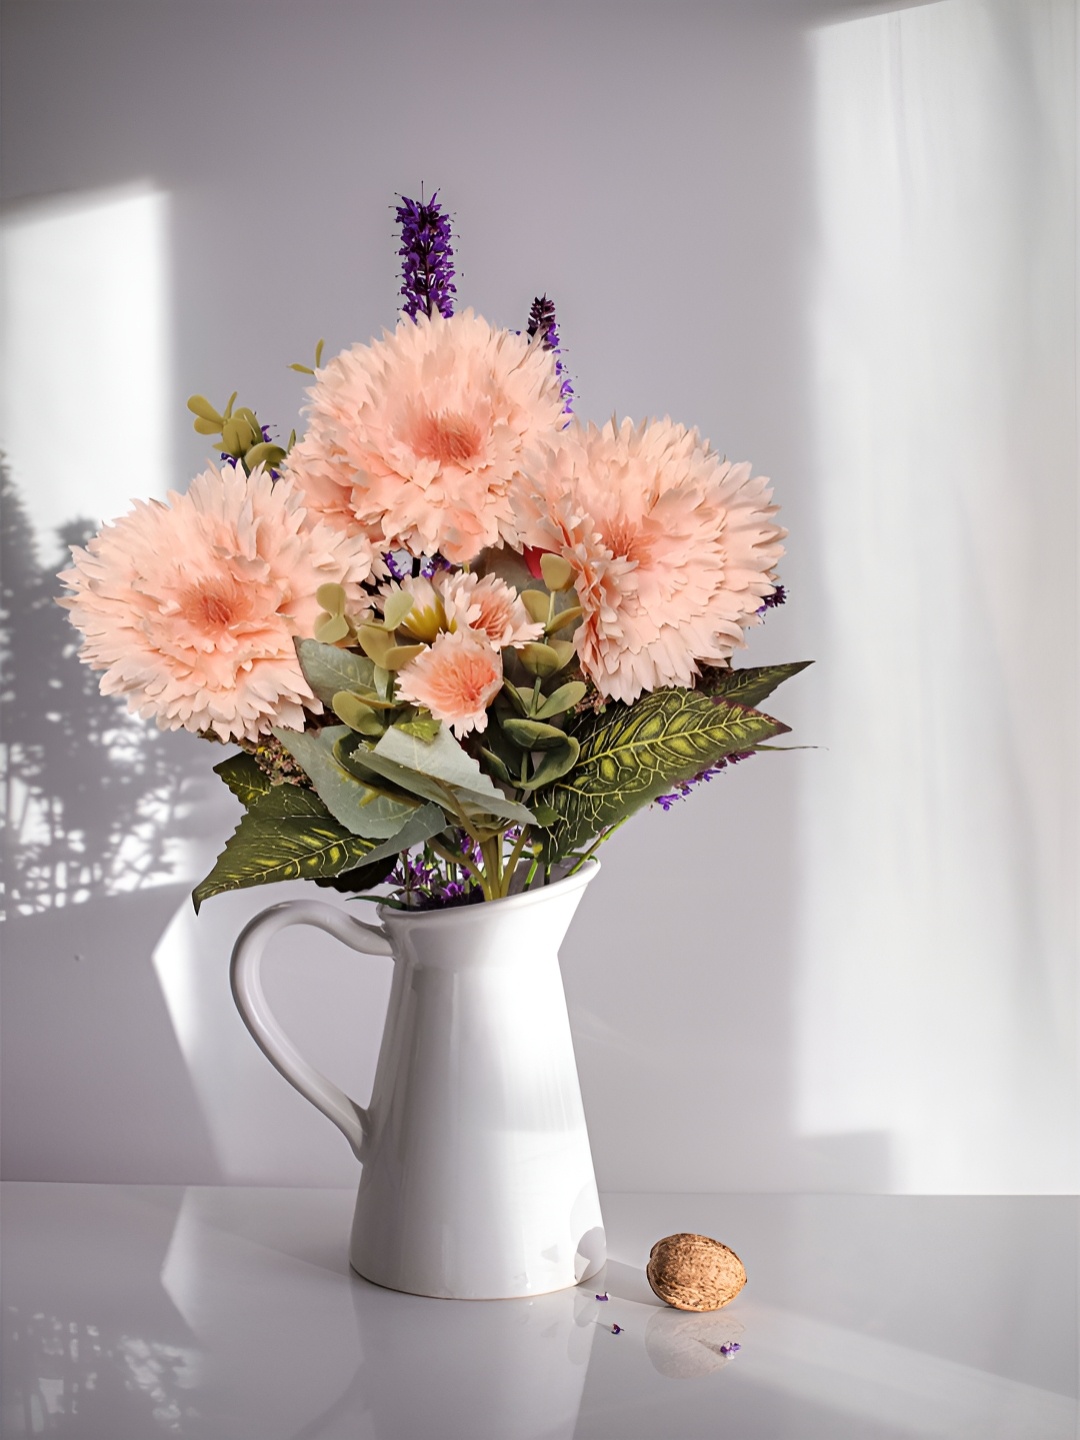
(842, 244)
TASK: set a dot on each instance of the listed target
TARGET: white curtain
(938, 1006)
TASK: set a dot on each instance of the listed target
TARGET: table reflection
(230, 1313)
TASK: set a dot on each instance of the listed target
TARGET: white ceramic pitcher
(478, 1179)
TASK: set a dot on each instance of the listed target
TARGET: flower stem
(604, 835)
(461, 859)
(515, 856)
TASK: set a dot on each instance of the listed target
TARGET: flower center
(213, 607)
(629, 542)
(449, 438)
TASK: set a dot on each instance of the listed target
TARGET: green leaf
(445, 760)
(520, 700)
(290, 835)
(540, 659)
(329, 628)
(537, 603)
(565, 617)
(328, 669)
(438, 770)
(351, 802)
(633, 753)
(395, 607)
(532, 734)
(558, 573)
(555, 764)
(364, 877)
(332, 597)
(398, 656)
(422, 724)
(244, 777)
(266, 454)
(356, 714)
(562, 699)
(287, 835)
(498, 766)
(749, 686)
(375, 642)
(199, 405)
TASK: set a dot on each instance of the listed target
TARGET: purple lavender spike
(427, 268)
(778, 597)
(542, 322)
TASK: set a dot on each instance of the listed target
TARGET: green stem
(515, 856)
(491, 850)
(460, 860)
(604, 835)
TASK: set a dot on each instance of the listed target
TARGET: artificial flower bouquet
(457, 635)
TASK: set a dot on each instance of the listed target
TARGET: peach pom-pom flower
(488, 606)
(673, 549)
(190, 606)
(417, 437)
(456, 679)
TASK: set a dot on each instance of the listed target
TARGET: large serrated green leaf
(290, 835)
(328, 669)
(351, 802)
(632, 753)
(244, 777)
(750, 686)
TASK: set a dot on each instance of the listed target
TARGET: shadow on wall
(98, 808)
(94, 801)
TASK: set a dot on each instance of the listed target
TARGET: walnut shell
(693, 1272)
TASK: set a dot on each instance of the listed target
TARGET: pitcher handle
(350, 1118)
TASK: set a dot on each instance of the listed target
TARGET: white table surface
(145, 1311)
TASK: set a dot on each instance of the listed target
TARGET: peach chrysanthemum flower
(489, 606)
(673, 549)
(190, 606)
(457, 679)
(418, 436)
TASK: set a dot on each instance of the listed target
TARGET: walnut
(692, 1272)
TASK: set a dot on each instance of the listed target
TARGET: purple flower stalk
(427, 258)
(778, 597)
(542, 322)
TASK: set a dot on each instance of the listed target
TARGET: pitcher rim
(578, 880)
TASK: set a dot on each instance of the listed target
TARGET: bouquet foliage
(457, 636)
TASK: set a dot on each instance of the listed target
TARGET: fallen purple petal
(605, 1296)
(729, 1347)
(616, 1329)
